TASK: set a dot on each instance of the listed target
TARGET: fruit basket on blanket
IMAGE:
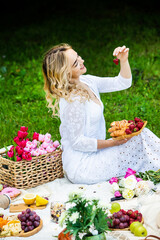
(27, 174)
(126, 128)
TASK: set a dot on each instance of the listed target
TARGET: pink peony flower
(29, 145)
(10, 153)
(45, 144)
(56, 144)
(113, 179)
(47, 137)
(35, 152)
(42, 151)
(41, 137)
(24, 129)
(50, 149)
(117, 194)
(34, 143)
(27, 149)
(130, 172)
(35, 135)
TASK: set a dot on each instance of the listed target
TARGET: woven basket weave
(28, 174)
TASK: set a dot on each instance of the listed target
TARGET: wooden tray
(131, 135)
(30, 233)
(22, 206)
(124, 229)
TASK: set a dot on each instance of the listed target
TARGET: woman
(87, 156)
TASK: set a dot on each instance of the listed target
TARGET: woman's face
(76, 64)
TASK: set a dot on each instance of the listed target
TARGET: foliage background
(94, 29)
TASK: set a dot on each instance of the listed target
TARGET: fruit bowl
(132, 134)
(124, 229)
(122, 219)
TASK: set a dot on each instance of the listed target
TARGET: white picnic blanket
(59, 189)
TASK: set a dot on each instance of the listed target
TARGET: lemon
(115, 207)
(29, 198)
(41, 201)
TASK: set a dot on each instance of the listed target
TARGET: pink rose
(24, 129)
(56, 144)
(35, 135)
(19, 150)
(41, 137)
(117, 194)
(130, 172)
(22, 143)
(22, 134)
(50, 149)
(16, 140)
(18, 158)
(113, 179)
(10, 153)
(139, 179)
(27, 156)
(12, 148)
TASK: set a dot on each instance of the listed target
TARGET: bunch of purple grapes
(119, 219)
(29, 220)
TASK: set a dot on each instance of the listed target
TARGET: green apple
(134, 225)
(115, 207)
(1, 187)
(140, 231)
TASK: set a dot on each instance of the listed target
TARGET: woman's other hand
(121, 53)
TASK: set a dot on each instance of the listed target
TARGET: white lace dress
(82, 124)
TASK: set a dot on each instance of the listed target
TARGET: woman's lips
(82, 67)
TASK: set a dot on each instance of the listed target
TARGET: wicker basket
(132, 134)
(28, 174)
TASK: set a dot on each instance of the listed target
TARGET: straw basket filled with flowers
(30, 162)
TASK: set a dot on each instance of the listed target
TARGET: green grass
(22, 99)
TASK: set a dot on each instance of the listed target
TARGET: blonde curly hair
(57, 76)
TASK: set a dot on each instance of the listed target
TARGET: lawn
(94, 35)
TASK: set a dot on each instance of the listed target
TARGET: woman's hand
(110, 143)
(120, 142)
(121, 53)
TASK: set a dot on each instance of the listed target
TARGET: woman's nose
(81, 60)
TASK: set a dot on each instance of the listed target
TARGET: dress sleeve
(74, 117)
(111, 84)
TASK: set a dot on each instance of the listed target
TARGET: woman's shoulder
(88, 78)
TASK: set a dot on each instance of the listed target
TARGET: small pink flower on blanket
(117, 194)
(113, 179)
(130, 172)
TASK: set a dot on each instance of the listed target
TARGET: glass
(56, 209)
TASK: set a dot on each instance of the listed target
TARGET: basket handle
(153, 236)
